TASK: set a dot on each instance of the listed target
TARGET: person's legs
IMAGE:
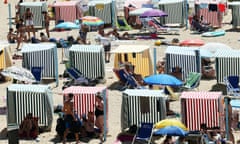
(33, 30)
(47, 31)
(65, 135)
(77, 138)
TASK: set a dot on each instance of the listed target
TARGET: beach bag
(75, 127)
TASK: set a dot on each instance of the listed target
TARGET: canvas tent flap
(130, 49)
(96, 2)
(86, 48)
(228, 53)
(27, 48)
(145, 93)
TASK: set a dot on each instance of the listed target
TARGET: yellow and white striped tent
(5, 57)
(137, 55)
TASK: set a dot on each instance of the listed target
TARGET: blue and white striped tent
(23, 99)
(36, 8)
(187, 58)
(88, 59)
(227, 64)
(176, 10)
(235, 7)
(142, 105)
(104, 9)
(42, 55)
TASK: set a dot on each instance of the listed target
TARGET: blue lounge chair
(37, 72)
(144, 133)
(232, 85)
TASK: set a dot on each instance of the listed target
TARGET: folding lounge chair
(144, 133)
(122, 24)
(232, 85)
(37, 72)
(77, 76)
(161, 28)
(193, 81)
(121, 74)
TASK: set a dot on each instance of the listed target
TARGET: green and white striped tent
(227, 64)
(88, 59)
(36, 8)
(142, 105)
(42, 55)
(36, 99)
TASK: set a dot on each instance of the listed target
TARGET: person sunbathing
(196, 25)
(11, 36)
(125, 36)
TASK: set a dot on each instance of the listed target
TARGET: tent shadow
(233, 30)
(116, 86)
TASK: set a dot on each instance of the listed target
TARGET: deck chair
(144, 133)
(65, 46)
(161, 28)
(122, 24)
(121, 74)
(193, 81)
(77, 77)
(37, 72)
(232, 85)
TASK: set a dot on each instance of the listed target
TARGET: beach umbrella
(192, 42)
(162, 79)
(171, 131)
(92, 21)
(170, 122)
(18, 73)
(139, 11)
(67, 25)
(214, 46)
(153, 13)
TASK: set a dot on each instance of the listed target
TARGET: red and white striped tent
(201, 108)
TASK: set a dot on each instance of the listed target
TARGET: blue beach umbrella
(171, 131)
(67, 25)
(162, 79)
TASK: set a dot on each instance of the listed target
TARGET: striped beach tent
(104, 9)
(137, 55)
(5, 57)
(235, 7)
(67, 10)
(201, 108)
(88, 59)
(84, 100)
(142, 105)
(42, 55)
(187, 58)
(36, 8)
(176, 10)
(227, 63)
(36, 99)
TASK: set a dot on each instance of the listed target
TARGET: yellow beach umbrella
(170, 122)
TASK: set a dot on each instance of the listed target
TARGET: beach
(231, 38)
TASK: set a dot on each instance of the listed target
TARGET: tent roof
(130, 49)
(94, 2)
(144, 92)
(29, 88)
(227, 53)
(32, 3)
(181, 50)
(27, 47)
(86, 48)
(65, 3)
(201, 95)
(83, 90)
(169, 1)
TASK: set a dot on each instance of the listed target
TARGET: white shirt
(103, 40)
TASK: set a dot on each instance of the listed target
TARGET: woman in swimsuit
(28, 16)
(99, 115)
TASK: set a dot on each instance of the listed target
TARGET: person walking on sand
(28, 17)
(46, 22)
(69, 117)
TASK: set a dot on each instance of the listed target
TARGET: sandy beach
(231, 38)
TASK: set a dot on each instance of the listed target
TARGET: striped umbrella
(92, 21)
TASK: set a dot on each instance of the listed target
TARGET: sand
(231, 39)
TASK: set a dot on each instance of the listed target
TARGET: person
(28, 17)
(43, 37)
(125, 36)
(99, 115)
(69, 117)
(46, 22)
(168, 140)
(102, 38)
(89, 124)
(83, 32)
(196, 25)
(21, 36)
(231, 137)
(11, 37)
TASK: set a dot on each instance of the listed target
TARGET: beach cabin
(36, 8)
(84, 100)
(211, 10)
(5, 56)
(137, 55)
(176, 10)
(186, 58)
(88, 59)
(104, 9)
(44, 56)
(36, 99)
(235, 7)
(201, 108)
(142, 105)
(227, 63)
(68, 11)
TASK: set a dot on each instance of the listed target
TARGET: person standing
(28, 17)
(69, 117)
(99, 114)
(46, 22)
